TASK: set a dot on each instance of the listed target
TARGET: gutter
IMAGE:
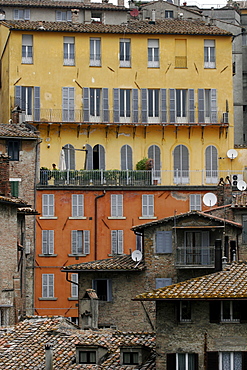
(95, 225)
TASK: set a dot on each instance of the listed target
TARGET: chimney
(4, 176)
(75, 15)
(153, 15)
(218, 255)
(120, 2)
(48, 357)
(89, 310)
(16, 114)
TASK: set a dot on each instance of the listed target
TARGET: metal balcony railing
(195, 256)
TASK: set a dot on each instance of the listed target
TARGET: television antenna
(232, 153)
(241, 185)
(209, 199)
(136, 255)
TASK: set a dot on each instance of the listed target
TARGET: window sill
(147, 218)
(116, 218)
(77, 218)
(77, 255)
(47, 299)
(47, 255)
(48, 218)
(72, 299)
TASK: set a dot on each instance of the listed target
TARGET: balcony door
(154, 154)
(197, 251)
(181, 165)
(211, 159)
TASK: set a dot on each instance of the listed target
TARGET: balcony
(196, 257)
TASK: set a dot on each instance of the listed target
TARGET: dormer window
(96, 17)
(21, 14)
(134, 355)
(87, 357)
(90, 354)
(63, 16)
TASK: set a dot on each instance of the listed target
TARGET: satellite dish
(241, 185)
(232, 153)
(136, 255)
(209, 199)
(134, 12)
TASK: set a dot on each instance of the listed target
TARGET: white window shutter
(120, 241)
(150, 205)
(45, 241)
(114, 205)
(119, 205)
(86, 241)
(45, 204)
(144, 205)
(74, 287)
(114, 238)
(51, 285)
(51, 204)
(51, 241)
(44, 285)
(74, 241)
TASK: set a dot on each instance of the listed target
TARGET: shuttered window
(21, 14)
(103, 288)
(195, 202)
(74, 287)
(47, 241)
(147, 205)
(48, 205)
(77, 205)
(68, 104)
(89, 161)
(63, 16)
(207, 106)
(183, 361)
(28, 99)
(126, 158)
(163, 242)
(116, 205)
(27, 49)
(117, 241)
(98, 157)
(14, 188)
(162, 282)
(95, 52)
(80, 242)
(68, 51)
(124, 54)
(154, 154)
(69, 153)
(13, 150)
(181, 164)
(153, 53)
(211, 164)
(48, 285)
(209, 54)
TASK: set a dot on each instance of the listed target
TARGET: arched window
(95, 157)
(211, 164)
(154, 154)
(181, 165)
(126, 158)
(69, 153)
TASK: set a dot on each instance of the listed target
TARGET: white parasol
(62, 163)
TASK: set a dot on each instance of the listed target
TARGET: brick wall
(4, 175)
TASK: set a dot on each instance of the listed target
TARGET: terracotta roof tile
(23, 346)
(13, 201)
(240, 200)
(119, 263)
(60, 4)
(228, 284)
(17, 131)
(168, 26)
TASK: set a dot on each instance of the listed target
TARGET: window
(103, 288)
(180, 53)
(163, 242)
(48, 205)
(69, 154)
(162, 282)
(74, 287)
(48, 285)
(4, 316)
(96, 17)
(63, 16)
(21, 14)
(150, 105)
(195, 202)
(130, 358)
(87, 357)
(47, 241)
(13, 149)
(139, 239)
(207, 106)
(68, 104)
(28, 99)
(69, 51)
(95, 105)
(95, 160)
(95, 53)
(153, 53)
(182, 105)
(230, 361)
(27, 49)
(168, 13)
(116, 242)
(230, 311)
(14, 187)
(122, 105)
(80, 242)
(147, 205)
(116, 205)
(181, 165)
(182, 361)
(77, 205)
(196, 250)
(211, 159)
(124, 55)
(184, 311)
(126, 158)
(209, 54)
(154, 154)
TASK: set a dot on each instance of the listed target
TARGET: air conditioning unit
(225, 117)
(235, 178)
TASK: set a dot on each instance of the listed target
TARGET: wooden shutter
(144, 105)
(89, 162)
(171, 361)
(191, 106)
(126, 158)
(18, 96)
(214, 311)
(113, 205)
(205, 252)
(14, 186)
(74, 287)
(86, 241)
(26, 14)
(172, 106)
(201, 104)
(212, 359)
(101, 157)
(135, 105)
(77, 205)
(154, 154)
(195, 202)
(68, 103)
(45, 204)
(163, 105)
(36, 103)
(147, 205)
(164, 241)
(214, 117)
(51, 241)
(116, 205)
(162, 282)
(116, 105)
(44, 285)
(74, 241)
(85, 104)
(50, 285)
(105, 105)
(120, 241)
(114, 241)
(44, 241)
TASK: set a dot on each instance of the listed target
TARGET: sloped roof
(228, 284)
(14, 202)
(183, 215)
(167, 26)
(240, 200)
(60, 4)
(117, 263)
(23, 346)
(12, 130)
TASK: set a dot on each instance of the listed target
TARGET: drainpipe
(48, 357)
(95, 224)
